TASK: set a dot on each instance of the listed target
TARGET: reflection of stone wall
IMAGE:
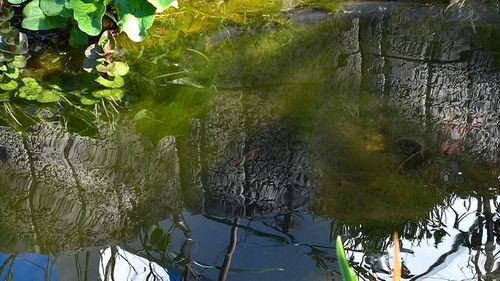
(434, 70)
(61, 192)
(249, 163)
(248, 160)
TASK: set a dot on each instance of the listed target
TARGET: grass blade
(346, 271)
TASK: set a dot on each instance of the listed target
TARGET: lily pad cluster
(134, 17)
(13, 55)
(102, 61)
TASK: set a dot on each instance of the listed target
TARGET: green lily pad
(136, 17)
(35, 19)
(88, 14)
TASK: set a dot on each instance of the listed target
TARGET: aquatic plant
(102, 61)
(134, 17)
(346, 271)
(13, 55)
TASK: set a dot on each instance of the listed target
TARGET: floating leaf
(117, 82)
(30, 90)
(9, 86)
(136, 17)
(118, 69)
(19, 61)
(12, 73)
(35, 19)
(88, 14)
(86, 101)
(48, 96)
(110, 94)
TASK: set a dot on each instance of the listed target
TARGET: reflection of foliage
(477, 235)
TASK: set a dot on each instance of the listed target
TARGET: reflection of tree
(230, 250)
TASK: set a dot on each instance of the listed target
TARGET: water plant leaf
(86, 101)
(346, 271)
(117, 82)
(48, 96)
(107, 42)
(12, 73)
(52, 7)
(19, 61)
(78, 38)
(118, 69)
(9, 86)
(30, 90)
(35, 19)
(136, 17)
(88, 14)
(16, 2)
(110, 94)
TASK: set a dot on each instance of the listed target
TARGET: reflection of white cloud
(117, 264)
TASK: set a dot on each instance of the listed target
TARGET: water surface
(274, 138)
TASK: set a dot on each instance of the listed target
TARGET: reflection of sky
(457, 263)
(28, 267)
(263, 252)
(259, 257)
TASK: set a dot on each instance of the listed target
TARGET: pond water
(242, 152)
